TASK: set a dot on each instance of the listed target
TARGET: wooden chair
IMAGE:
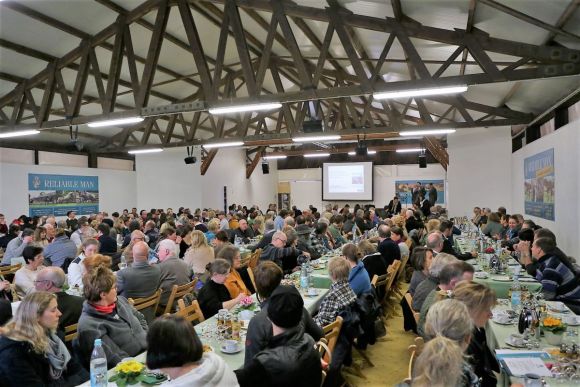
(414, 352)
(254, 258)
(147, 305)
(70, 332)
(322, 347)
(178, 292)
(409, 300)
(251, 275)
(191, 313)
(9, 271)
(331, 332)
(399, 278)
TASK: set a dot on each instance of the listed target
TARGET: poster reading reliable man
(58, 194)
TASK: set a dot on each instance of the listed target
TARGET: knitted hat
(285, 306)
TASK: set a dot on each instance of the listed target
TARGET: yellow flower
(136, 367)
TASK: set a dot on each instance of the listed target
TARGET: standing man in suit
(432, 191)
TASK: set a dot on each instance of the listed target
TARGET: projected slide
(347, 181)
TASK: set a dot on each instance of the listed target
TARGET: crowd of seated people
(161, 248)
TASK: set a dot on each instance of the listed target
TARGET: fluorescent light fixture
(426, 132)
(421, 92)
(18, 133)
(410, 150)
(274, 157)
(150, 150)
(245, 108)
(328, 137)
(120, 121)
(317, 155)
(223, 144)
(370, 152)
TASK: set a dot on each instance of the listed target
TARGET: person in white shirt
(26, 276)
(76, 269)
(81, 233)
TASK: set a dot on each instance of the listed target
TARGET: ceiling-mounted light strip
(274, 157)
(312, 155)
(19, 133)
(421, 92)
(409, 150)
(329, 137)
(426, 132)
(120, 121)
(141, 151)
(370, 152)
(245, 108)
(223, 144)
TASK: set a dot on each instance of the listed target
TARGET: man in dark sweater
(277, 252)
(387, 247)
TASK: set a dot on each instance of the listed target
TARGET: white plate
(224, 350)
(501, 278)
(509, 322)
(481, 275)
(508, 342)
(527, 279)
(572, 320)
(557, 307)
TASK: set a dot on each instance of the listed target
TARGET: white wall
(306, 184)
(479, 172)
(116, 188)
(164, 180)
(566, 143)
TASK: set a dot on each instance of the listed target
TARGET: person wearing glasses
(277, 250)
(51, 279)
(25, 276)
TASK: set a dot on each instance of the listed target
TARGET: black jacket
(482, 358)
(108, 245)
(413, 224)
(211, 298)
(71, 308)
(389, 251)
(20, 366)
(245, 235)
(289, 360)
(448, 248)
(260, 331)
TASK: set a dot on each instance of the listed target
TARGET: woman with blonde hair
(213, 226)
(450, 318)
(31, 354)
(40, 238)
(95, 261)
(76, 269)
(199, 254)
(479, 299)
(438, 365)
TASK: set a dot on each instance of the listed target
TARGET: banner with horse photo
(539, 185)
(58, 194)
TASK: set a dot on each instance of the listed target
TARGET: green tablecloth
(502, 288)
(496, 339)
(234, 361)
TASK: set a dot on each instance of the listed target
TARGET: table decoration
(553, 329)
(132, 372)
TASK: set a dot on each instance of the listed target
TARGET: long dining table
(498, 334)
(207, 333)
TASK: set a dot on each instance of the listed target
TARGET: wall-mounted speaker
(265, 168)
(422, 161)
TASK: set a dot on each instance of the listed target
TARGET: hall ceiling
(68, 62)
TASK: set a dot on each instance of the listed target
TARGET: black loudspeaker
(190, 160)
(422, 161)
(265, 168)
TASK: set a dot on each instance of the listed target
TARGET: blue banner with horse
(58, 194)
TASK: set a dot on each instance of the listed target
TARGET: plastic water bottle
(123, 263)
(304, 277)
(98, 365)
(516, 291)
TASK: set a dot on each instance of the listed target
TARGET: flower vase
(553, 338)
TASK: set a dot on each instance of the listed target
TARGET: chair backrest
(254, 258)
(70, 332)
(12, 269)
(251, 275)
(191, 313)
(392, 271)
(147, 305)
(331, 332)
(322, 348)
(414, 351)
(178, 292)
(409, 300)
